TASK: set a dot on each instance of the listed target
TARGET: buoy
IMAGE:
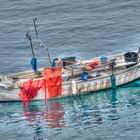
(73, 86)
(113, 82)
(114, 97)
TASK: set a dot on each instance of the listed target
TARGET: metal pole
(34, 19)
(49, 56)
(31, 45)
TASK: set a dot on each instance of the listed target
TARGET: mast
(42, 43)
(33, 60)
(28, 36)
(35, 26)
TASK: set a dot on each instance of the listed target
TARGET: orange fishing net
(51, 83)
(53, 79)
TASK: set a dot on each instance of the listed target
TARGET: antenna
(33, 60)
(28, 36)
(35, 26)
(42, 44)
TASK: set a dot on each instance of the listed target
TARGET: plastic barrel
(131, 57)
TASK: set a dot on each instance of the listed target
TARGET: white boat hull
(75, 87)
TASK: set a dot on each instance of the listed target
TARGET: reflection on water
(114, 97)
(34, 116)
(77, 116)
(78, 108)
(53, 114)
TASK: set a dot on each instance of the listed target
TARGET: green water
(102, 115)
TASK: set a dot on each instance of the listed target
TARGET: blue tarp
(34, 63)
(84, 76)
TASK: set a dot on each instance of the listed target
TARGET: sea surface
(81, 28)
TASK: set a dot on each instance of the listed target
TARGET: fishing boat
(111, 71)
(68, 77)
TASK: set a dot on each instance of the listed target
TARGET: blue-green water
(81, 28)
(103, 115)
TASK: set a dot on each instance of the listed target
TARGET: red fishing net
(51, 83)
(29, 90)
